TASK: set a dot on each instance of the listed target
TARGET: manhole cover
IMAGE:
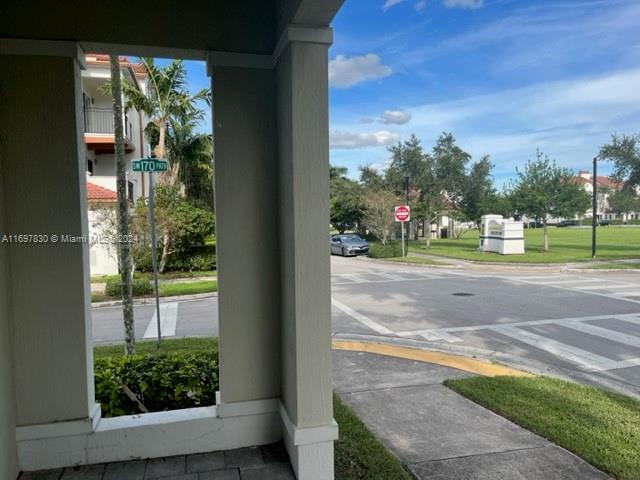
(462, 294)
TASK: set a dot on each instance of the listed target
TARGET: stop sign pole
(403, 214)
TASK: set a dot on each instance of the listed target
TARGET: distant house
(99, 141)
(605, 186)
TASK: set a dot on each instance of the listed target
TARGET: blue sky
(505, 76)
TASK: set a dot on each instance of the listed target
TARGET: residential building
(605, 187)
(99, 141)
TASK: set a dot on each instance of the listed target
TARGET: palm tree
(124, 248)
(167, 99)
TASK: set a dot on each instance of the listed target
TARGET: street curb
(527, 365)
(423, 265)
(152, 300)
(465, 364)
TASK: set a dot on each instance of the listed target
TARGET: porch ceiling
(248, 26)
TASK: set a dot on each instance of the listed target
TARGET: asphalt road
(580, 325)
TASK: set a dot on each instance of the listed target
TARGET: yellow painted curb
(465, 364)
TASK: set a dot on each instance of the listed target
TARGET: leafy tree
(378, 213)
(624, 201)
(450, 168)
(181, 224)
(543, 189)
(370, 178)
(345, 209)
(479, 194)
(125, 263)
(624, 152)
(430, 194)
(404, 173)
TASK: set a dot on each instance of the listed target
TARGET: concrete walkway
(440, 435)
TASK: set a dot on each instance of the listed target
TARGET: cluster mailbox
(501, 235)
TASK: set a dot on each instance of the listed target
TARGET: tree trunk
(124, 247)
(165, 253)
(546, 235)
(428, 224)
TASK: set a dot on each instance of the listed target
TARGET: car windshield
(351, 239)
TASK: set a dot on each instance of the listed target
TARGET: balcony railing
(100, 120)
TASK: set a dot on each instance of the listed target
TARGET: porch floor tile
(269, 462)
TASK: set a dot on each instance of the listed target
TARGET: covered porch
(268, 66)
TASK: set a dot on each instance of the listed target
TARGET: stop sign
(403, 213)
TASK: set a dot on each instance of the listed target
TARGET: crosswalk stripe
(603, 333)
(568, 281)
(168, 321)
(606, 287)
(366, 321)
(390, 276)
(588, 360)
(444, 336)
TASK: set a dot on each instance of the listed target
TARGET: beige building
(99, 141)
(605, 186)
(268, 65)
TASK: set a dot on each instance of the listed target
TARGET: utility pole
(594, 220)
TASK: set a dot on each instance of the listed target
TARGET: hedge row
(141, 286)
(159, 382)
(391, 249)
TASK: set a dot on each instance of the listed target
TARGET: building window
(90, 166)
(130, 191)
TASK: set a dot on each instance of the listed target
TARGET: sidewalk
(438, 434)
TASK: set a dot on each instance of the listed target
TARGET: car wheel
(344, 252)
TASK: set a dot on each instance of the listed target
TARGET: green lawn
(614, 266)
(170, 290)
(358, 454)
(203, 286)
(601, 427)
(565, 245)
(161, 276)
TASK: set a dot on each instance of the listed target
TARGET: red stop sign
(403, 213)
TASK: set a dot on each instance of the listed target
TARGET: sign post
(403, 214)
(152, 165)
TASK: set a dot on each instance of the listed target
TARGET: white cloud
(390, 3)
(420, 5)
(397, 117)
(346, 71)
(472, 4)
(351, 140)
(367, 120)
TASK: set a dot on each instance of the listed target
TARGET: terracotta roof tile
(98, 194)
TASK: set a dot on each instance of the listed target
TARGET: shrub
(160, 382)
(391, 249)
(141, 286)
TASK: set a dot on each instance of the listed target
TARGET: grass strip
(358, 454)
(599, 426)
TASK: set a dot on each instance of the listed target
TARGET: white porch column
(303, 156)
(44, 192)
(246, 232)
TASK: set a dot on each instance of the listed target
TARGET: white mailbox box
(502, 236)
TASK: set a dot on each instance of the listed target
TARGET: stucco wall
(8, 460)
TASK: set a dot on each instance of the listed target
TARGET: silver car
(348, 245)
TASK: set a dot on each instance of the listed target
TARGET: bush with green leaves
(158, 381)
(141, 286)
(390, 250)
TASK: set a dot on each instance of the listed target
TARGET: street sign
(403, 213)
(149, 165)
